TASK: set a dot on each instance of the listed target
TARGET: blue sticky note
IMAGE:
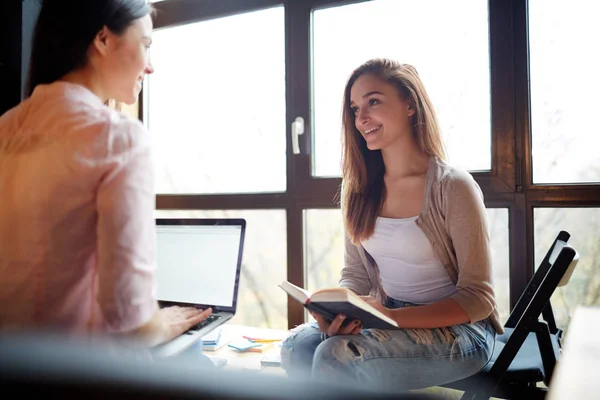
(243, 344)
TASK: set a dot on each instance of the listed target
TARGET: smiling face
(380, 115)
(124, 60)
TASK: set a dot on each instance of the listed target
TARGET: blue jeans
(403, 359)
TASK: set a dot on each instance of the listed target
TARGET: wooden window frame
(507, 185)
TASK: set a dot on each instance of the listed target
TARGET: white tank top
(409, 269)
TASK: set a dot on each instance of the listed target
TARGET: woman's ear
(410, 110)
(101, 41)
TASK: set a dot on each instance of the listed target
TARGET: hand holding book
(331, 302)
(339, 325)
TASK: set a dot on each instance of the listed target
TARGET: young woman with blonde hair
(417, 247)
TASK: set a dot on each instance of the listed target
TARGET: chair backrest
(569, 272)
(558, 264)
(517, 312)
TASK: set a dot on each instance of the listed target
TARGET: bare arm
(442, 313)
(436, 315)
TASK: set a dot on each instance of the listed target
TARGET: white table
(577, 372)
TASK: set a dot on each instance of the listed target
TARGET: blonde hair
(363, 191)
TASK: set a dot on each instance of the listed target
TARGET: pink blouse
(77, 231)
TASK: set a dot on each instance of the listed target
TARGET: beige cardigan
(454, 219)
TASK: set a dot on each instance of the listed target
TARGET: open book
(333, 301)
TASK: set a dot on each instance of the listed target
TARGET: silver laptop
(198, 265)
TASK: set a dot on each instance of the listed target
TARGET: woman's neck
(404, 158)
(87, 79)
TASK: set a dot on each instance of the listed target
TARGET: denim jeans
(403, 359)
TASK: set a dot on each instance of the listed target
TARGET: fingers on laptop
(190, 311)
(199, 315)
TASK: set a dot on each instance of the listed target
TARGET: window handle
(297, 130)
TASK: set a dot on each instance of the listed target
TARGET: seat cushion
(526, 367)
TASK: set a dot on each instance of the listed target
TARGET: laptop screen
(198, 263)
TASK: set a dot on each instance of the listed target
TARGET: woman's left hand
(373, 302)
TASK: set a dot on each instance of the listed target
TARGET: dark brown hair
(65, 29)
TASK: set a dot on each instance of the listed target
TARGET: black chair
(526, 353)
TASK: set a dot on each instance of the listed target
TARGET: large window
(564, 87)
(216, 105)
(584, 226)
(512, 82)
(565, 163)
(455, 68)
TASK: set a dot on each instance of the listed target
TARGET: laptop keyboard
(207, 321)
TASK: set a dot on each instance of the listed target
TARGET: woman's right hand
(335, 327)
(177, 320)
(168, 323)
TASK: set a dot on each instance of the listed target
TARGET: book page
(296, 292)
(331, 294)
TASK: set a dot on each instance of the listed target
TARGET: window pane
(454, 67)
(216, 105)
(564, 90)
(324, 248)
(325, 252)
(261, 302)
(584, 226)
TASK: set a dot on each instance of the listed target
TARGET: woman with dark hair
(77, 233)
(417, 247)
